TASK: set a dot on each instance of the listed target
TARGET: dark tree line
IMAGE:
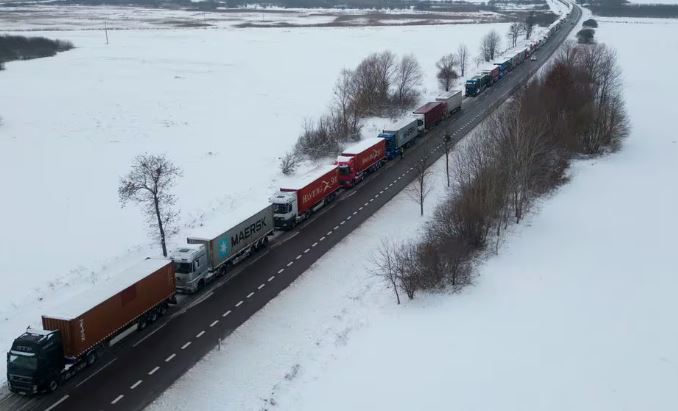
(381, 85)
(25, 48)
(520, 153)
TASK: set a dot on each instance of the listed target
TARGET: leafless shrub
(289, 162)
(447, 74)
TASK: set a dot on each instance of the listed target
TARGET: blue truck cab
(473, 86)
(400, 136)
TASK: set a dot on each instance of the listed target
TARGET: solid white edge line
(153, 370)
(183, 347)
(118, 398)
(62, 399)
(215, 322)
(135, 385)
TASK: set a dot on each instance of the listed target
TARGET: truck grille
(19, 378)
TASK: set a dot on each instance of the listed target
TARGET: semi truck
(504, 66)
(359, 160)
(493, 73)
(452, 99)
(41, 359)
(211, 253)
(400, 136)
(432, 113)
(296, 202)
(474, 86)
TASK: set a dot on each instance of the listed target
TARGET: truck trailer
(493, 73)
(432, 113)
(359, 160)
(400, 136)
(453, 100)
(210, 254)
(40, 360)
(296, 202)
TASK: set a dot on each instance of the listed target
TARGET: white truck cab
(192, 267)
(285, 209)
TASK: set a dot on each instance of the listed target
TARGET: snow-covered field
(577, 312)
(221, 104)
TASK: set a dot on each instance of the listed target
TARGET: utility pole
(447, 139)
(106, 31)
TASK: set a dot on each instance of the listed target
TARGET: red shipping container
(322, 184)
(432, 112)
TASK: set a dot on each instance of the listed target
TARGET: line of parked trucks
(40, 360)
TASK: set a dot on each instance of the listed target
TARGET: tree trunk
(162, 230)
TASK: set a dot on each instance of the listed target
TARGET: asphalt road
(133, 372)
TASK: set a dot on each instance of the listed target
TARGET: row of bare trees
(382, 84)
(520, 153)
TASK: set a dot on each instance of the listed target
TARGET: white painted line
(281, 270)
(307, 250)
(290, 263)
(371, 199)
(226, 313)
(215, 322)
(381, 192)
(239, 303)
(148, 335)
(153, 370)
(366, 204)
(342, 222)
(183, 347)
(261, 286)
(298, 257)
(355, 212)
(271, 278)
(328, 233)
(322, 238)
(95, 373)
(348, 218)
(135, 385)
(118, 398)
(360, 208)
(314, 244)
(250, 294)
(336, 227)
(62, 399)
(376, 196)
(200, 334)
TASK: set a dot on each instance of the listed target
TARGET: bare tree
(528, 26)
(386, 264)
(289, 162)
(345, 102)
(421, 187)
(149, 183)
(446, 72)
(462, 58)
(515, 30)
(408, 77)
(374, 78)
(489, 45)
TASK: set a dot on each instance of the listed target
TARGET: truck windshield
(344, 170)
(183, 268)
(23, 362)
(281, 208)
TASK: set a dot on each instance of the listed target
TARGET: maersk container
(453, 100)
(111, 306)
(400, 135)
(222, 246)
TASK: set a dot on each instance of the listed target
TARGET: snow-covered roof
(448, 95)
(308, 178)
(398, 124)
(362, 145)
(343, 159)
(104, 290)
(215, 227)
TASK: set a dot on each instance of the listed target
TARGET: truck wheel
(153, 317)
(264, 243)
(91, 358)
(53, 385)
(163, 310)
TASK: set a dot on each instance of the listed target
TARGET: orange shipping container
(100, 313)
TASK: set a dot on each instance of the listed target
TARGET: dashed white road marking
(239, 303)
(183, 347)
(336, 227)
(62, 399)
(281, 270)
(118, 398)
(321, 238)
(271, 278)
(328, 233)
(371, 199)
(226, 313)
(290, 263)
(381, 192)
(215, 322)
(307, 250)
(314, 244)
(348, 218)
(355, 212)
(261, 286)
(360, 208)
(250, 294)
(153, 370)
(366, 204)
(135, 385)
(342, 222)
(200, 334)
(168, 359)
(298, 257)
